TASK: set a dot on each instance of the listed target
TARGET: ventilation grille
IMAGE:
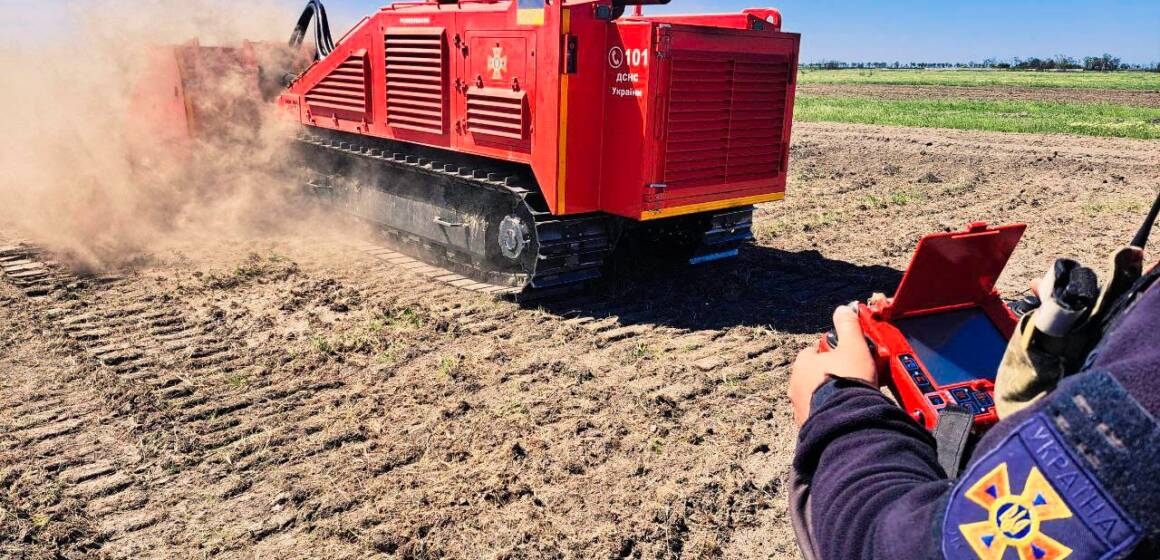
(345, 89)
(496, 112)
(726, 119)
(416, 80)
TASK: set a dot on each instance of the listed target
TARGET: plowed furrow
(102, 486)
(87, 472)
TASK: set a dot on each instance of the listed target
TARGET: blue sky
(885, 30)
(935, 31)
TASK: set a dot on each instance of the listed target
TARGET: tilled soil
(1134, 98)
(308, 396)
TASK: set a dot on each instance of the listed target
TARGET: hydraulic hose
(323, 42)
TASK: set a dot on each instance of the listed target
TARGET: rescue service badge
(497, 63)
(1015, 520)
(1030, 498)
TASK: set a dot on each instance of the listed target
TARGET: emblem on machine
(497, 63)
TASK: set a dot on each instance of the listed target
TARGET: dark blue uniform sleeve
(876, 486)
(1073, 476)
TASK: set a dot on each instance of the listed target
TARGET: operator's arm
(1072, 476)
(876, 485)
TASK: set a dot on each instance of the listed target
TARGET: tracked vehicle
(519, 142)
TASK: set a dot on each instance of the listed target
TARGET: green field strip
(999, 116)
(1141, 81)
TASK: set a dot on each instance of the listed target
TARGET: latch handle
(447, 224)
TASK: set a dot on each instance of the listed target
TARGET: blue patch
(1030, 497)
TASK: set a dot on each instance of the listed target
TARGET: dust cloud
(89, 172)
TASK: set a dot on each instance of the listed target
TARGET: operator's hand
(851, 360)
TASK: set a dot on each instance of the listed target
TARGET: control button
(921, 380)
(910, 367)
(936, 400)
(972, 408)
(962, 395)
(984, 399)
(832, 339)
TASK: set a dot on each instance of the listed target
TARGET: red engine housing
(640, 117)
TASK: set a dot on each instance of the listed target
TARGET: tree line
(1103, 63)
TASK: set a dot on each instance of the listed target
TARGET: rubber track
(567, 259)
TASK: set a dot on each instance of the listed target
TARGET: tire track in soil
(611, 324)
(154, 346)
(356, 407)
(160, 353)
(70, 482)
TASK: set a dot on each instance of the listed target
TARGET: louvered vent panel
(496, 112)
(345, 89)
(725, 121)
(416, 80)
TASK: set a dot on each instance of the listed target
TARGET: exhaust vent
(496, 112)
(344, 89)
(416, 62)
(726, 119)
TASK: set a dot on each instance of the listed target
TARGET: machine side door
(498, 76)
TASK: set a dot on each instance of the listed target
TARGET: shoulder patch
(1029, 498)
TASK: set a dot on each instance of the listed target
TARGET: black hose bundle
(323, 43)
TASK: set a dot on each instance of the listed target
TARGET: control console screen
(956, 346)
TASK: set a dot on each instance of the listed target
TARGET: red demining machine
(519, 142)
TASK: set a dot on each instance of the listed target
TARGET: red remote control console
(942, 336)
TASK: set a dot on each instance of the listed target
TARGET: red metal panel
(499, 71)
(726, 128)
(582, 120)
(630, 144)
(705, 122)
(346, 88)
(327, 109)
(497, 112)
(417, 78)
(724, 119)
